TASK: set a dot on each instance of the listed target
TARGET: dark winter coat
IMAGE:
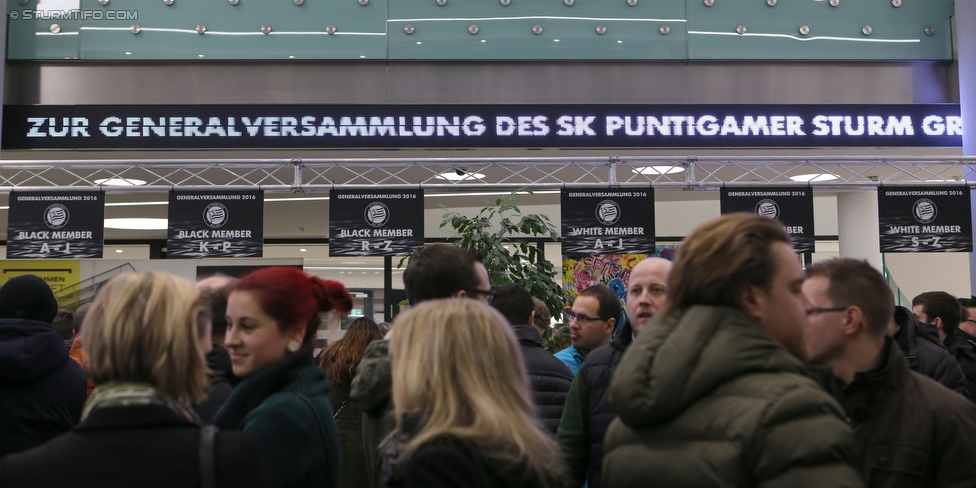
(549, 378)
(221, 386)
(371, 392)
(449, 462)
(349, 421)
(925, 353)
(911, 431)
(42, 391)
(705, 398)
(145, 446)
(588, 413)
(267, 405)
(962, 346)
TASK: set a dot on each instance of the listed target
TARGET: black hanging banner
(375, 223)
(925, 219)
(792, 206)
(216, 224)
(607, 221)
(56, 225)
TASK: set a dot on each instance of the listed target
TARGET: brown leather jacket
(910, 430)
(78, 354)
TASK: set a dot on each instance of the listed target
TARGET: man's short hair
(855, 282)
(543, 319)
(514, 302)
(64, 323)
(720, 258)
(79, 317)
(967, 302)
(440, 271)
(942, 305)
(610, 307)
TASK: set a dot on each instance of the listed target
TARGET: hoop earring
(293, 346)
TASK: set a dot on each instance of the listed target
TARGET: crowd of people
(731, 366)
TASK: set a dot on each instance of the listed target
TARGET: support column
(857, 226)
(965, 51)
(3, 62)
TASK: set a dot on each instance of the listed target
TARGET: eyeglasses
(580, 317)
(819, 310)
(489, 294)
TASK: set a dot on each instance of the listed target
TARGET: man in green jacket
(713, 392)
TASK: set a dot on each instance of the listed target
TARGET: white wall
(915, 273)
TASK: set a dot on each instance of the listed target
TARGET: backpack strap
(208, 472)
(333, 469)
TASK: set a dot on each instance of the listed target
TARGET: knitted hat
(27, 297)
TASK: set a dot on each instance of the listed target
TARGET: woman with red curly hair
(339, 361)
(272, 318)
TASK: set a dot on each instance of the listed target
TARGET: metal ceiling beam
(320, 175)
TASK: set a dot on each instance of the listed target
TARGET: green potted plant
(506, 240)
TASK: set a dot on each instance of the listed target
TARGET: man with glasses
(943, 312)
(967, 328)
(435, 271)
(910, 430)
(588, 413)
(592, 319)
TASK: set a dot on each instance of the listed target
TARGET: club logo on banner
(218, 224)
(607, 221)
(925, 219)
(56, 225)
(792, 206)
(366, 223)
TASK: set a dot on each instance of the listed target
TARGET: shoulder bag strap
(208, 474)
(340, 409)
(333, 469)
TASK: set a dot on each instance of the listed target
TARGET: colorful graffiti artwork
(612, 270)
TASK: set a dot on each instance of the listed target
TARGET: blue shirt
(571, 357)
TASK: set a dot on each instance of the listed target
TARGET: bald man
(587, 412)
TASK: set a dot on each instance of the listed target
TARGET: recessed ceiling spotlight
(118, 250)
(460, 175)
(658, 170)
(136, 224)
(303, 249)
(120, 182)
(815, 177)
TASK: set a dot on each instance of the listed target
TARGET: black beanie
(27, 297)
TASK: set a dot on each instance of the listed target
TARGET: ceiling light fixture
(120, 182)
(815, 177)
(460, 175)
(136, 224)
(658, 170)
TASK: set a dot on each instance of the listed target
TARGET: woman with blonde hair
(144, 338)
(462, 403)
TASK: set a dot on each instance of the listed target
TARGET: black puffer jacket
(597, 371)
(42, 391)
(549, 378)
(962, 346)
(926, 355)
(910, 431)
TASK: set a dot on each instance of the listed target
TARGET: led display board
(394, 126)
